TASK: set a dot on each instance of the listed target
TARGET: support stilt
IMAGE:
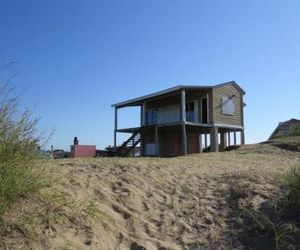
(214, 140)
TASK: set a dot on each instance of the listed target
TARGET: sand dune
(152, 203)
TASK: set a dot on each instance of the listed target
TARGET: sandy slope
(150, 203)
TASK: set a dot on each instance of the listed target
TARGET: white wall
(172, 113)
(150, 149)
(168, 114)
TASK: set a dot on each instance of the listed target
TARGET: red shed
(78, 151)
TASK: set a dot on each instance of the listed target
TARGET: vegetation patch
(292, 183)
(20, 171)
(267, 222)
(289, 143)
(295, 131)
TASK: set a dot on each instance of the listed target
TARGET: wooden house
(185, 119)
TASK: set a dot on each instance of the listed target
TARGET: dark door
(204, 110)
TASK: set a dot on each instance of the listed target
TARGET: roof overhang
(232, 83)
(139, 101)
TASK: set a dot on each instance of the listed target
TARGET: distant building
(78, 151)
(284, 128)
(178, 120)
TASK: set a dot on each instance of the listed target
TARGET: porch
(170, 139)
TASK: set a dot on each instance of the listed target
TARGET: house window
(228, 105)
(190, 111)
(152, 115)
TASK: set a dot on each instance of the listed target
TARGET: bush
(295, 131)
(293, 185)
(19, 173)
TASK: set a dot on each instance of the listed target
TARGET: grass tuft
(21, 174)
(293, 185)
(91, 210)
(295, 131)
(281, 232)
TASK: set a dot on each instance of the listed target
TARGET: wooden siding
(193, 143)
(225, 91)
(170, 144)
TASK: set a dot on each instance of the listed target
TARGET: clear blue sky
(76, 58)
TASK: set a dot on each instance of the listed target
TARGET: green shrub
(265, 224)
(19, 170)
(293, 185)
(295, 131)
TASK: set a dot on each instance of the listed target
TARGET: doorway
(204, 110)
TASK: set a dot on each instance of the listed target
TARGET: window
(190, 111)
(152, 115)
(228, 105)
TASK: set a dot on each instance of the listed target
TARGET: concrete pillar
(184, 140)
(200, 144)
(142, 144)
(115, 129)
(156, 141)
(223, 144)
(143, 123)
(205, 141)
(234, 137)
(144, 118)
(141, 115)
(242, 137)
(183, 120)
(214, 140)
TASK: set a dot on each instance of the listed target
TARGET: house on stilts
(185, 119)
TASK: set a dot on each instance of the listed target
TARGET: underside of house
(183, 120)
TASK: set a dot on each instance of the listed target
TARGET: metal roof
(139, 100)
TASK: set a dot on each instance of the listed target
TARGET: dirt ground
(153, 203)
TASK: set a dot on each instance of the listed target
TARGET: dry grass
(137, 203)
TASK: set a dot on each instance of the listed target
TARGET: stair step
(129, 145)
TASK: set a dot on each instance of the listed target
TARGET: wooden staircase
(129, 144)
